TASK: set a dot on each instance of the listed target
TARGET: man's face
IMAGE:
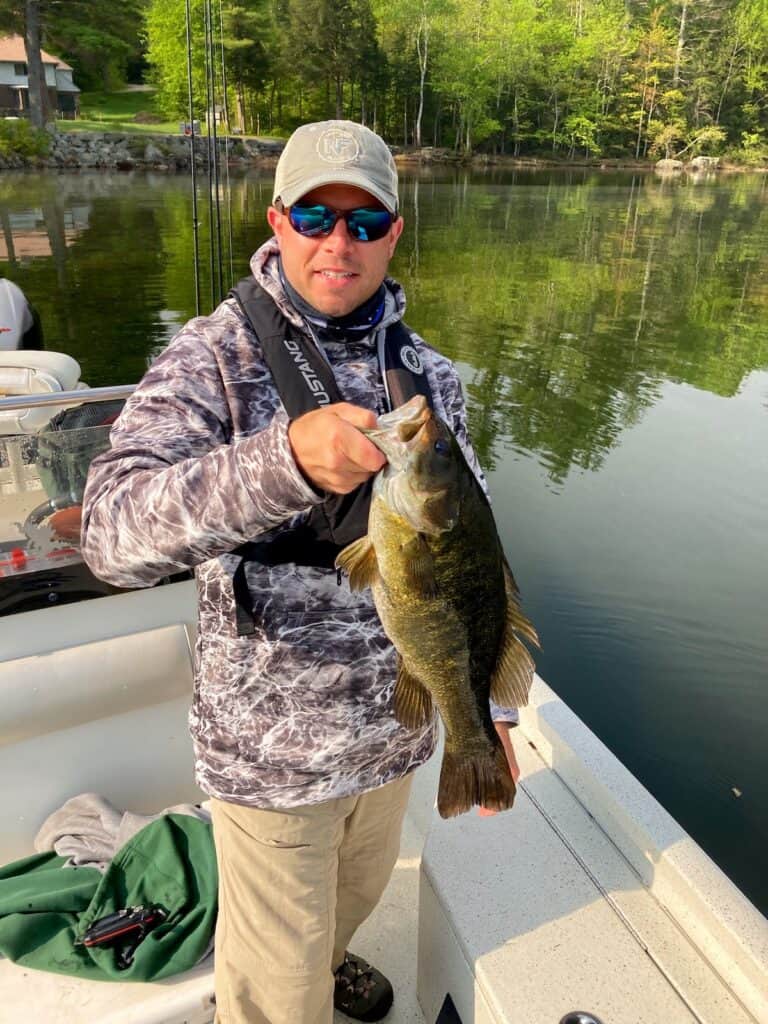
(335, 273)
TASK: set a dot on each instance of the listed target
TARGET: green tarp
(45, 906)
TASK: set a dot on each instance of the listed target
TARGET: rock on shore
(72, 150)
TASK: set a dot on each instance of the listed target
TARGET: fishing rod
(226, 161)
(207, 50)
(215, 244)
(217, 205)
(195, 223)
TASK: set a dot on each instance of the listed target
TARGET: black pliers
(123, 929)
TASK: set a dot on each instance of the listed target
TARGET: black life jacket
(305, 381)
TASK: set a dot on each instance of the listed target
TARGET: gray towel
(89, 830)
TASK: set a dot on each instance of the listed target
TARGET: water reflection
(34, 232)
(573, 301)
(571, 297)
(610, 332)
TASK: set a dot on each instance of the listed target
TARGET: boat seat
(34, 373)
(95, 697)
(85, 710)
(106, 717)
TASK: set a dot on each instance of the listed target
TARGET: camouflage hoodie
(200, 462)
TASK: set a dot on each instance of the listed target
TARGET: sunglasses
(364, 225)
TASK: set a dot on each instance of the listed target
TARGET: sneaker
(361, 991)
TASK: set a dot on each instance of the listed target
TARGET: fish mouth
(395, 430)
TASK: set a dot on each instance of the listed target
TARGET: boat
(585, 903)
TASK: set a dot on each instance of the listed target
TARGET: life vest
(305, 381)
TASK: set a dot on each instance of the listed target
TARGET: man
(234, 456)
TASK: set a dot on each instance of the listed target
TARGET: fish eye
(442, 447)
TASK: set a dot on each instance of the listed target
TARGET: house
(62, 93)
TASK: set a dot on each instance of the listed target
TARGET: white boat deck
(586, 896)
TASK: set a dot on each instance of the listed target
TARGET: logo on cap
(410, 358)
(337, 146)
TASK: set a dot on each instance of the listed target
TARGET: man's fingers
(343, 483)
(355, 414)
(330, 449)
(359, 450)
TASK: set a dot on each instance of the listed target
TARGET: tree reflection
(567, 297)
(571, 302)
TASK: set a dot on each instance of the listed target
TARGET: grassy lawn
(123, 128)
(116, 112)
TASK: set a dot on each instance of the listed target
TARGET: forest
(601, 79)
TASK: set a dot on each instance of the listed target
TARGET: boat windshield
(42, 479)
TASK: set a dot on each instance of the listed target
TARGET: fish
(447, 601)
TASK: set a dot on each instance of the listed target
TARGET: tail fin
(466, 780)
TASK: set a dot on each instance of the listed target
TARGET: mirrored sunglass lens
(364, 225)
(368, 225)
(312, 220)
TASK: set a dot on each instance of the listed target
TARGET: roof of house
(12, 48)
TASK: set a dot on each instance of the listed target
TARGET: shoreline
(162, 152)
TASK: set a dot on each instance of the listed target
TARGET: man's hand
(330, 450)
(504, 729)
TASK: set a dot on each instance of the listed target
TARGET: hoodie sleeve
(175, 489)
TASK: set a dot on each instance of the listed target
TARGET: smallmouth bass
(446, 599)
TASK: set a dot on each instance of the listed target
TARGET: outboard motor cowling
(19, 324)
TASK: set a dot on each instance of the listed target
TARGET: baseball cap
(336, 152)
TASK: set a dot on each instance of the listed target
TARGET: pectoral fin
(419, 565)
(513, 674)
(358, 560)
(413, 702)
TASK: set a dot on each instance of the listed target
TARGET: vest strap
(303, 378)
(305, 382)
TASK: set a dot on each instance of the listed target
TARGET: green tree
(466, 70)
(248, 37)
(654, 59)
(372, 68)
(597, 77)
(743, 61)
(516, 26)
(97, 39)
(166, 52)
(412, 27)
(323, 46)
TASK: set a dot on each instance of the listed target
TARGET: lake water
(612, 334)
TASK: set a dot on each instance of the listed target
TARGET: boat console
(51, 426)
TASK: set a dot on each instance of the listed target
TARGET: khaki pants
(294, 885)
